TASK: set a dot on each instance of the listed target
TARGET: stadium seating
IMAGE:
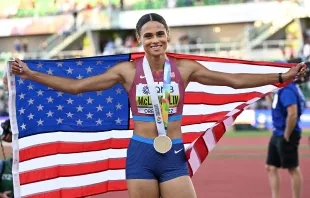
(26, 8)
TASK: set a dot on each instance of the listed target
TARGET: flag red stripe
(220, 60)
(201, 149)
(195, 119)
(70, 147)
(84, 191)
(218, 99)
(218, 131)
(71, 170)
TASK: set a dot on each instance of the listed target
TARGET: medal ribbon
(161, 115)
(166, 93)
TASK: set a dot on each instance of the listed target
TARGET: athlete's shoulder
(124, 66)
(186, 62)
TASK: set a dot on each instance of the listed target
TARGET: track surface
(236, 169)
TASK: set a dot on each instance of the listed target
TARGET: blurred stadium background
(260, 30)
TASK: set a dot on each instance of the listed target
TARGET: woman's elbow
(74, 89)
(236, 84)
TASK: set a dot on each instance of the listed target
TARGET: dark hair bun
(150, 17)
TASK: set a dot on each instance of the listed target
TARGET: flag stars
(89, 115)
(69, 71)
(40, 92)
(118, 91)
(21, 96)
(30, 86)
(119, 106)
(23, 126)
(40, 107)
(90, 100)
(79, 122)
(99, 93)
(99, 62)
(40, 122)
(59, 64)
(79, 77)
(109, 114)
(118, 121)
(30, 101)
(39, 65)
(50, 99)
(50, 71)
(69, 115)
(70, 101)
(21, 81)
(30, 116)
(21, 111)
(79, 63)
(60, 107)
(109, 99)
(59, 94)
(99, 122)
(80, 108)
(89, 69)
(80, 95)
(59, 120)
(50, 114)
(99, 108)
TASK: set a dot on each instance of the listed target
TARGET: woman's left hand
(295, 73)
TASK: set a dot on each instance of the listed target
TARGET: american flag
(75, 145)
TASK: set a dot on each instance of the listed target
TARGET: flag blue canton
(40, 109)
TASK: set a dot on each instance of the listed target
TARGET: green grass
(256, 133)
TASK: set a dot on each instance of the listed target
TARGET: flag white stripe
(75, 158)
(194, 160)
(209, 109)
(209, 140)
(242, 68)
(196, 87)
(72, 182)
(69, 137)
(72, 137)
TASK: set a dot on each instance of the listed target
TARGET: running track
(235, 169)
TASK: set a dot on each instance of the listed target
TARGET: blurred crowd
(24, 8)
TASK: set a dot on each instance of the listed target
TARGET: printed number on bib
(144, 101)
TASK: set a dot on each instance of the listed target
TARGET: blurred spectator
(306, 48)
(109, 48)
(17, 45)
(25, 45)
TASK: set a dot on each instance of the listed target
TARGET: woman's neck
(156, 62)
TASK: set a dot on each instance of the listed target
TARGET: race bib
(144, 101)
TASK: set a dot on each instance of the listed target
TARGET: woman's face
(154, 38)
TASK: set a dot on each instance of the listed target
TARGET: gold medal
(162, 144)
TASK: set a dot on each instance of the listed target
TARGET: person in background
(6, 178)
(287, 107)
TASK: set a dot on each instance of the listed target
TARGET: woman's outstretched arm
(201, 74)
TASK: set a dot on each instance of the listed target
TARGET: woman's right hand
(20, 69)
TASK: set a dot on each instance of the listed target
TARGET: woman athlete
(149, 173)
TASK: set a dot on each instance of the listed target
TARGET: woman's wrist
(286, 77)
(30, 74)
